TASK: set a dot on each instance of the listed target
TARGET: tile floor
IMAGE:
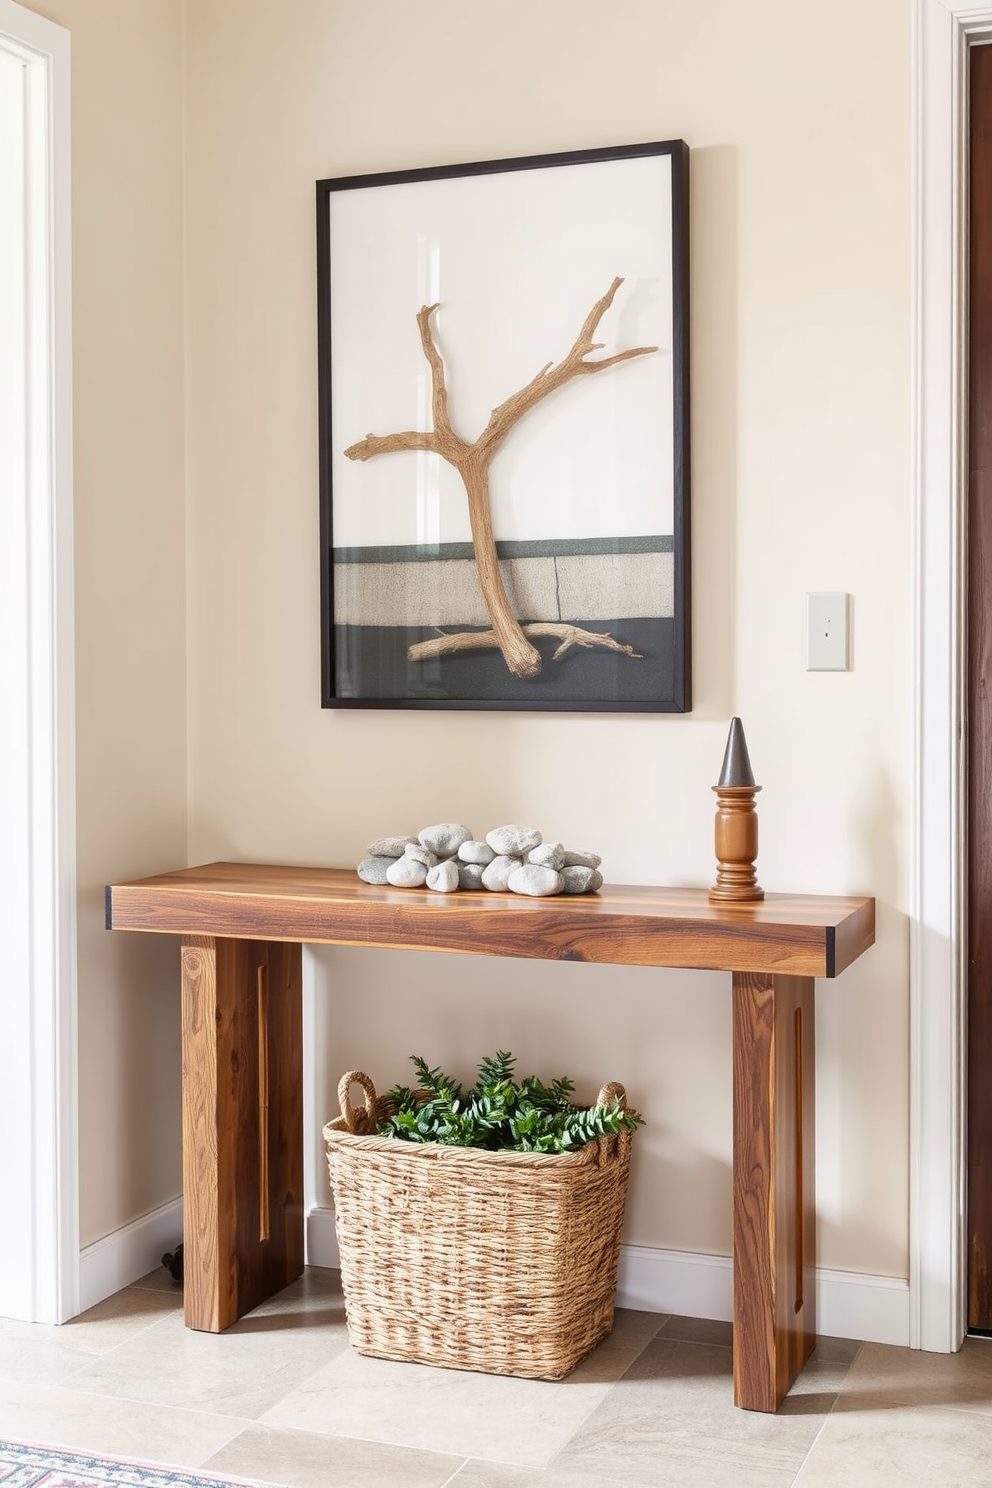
(281, 1397)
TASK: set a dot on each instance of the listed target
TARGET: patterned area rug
(24, 1465)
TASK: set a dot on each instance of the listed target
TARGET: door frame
(943, 31)
(39, 1062)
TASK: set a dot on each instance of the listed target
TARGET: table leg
(242, 1125)
(774, 1217)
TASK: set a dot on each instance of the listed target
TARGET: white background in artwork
(516, 259)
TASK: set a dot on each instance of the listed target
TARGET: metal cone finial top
(736, 761)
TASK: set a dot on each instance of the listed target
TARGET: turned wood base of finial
(735, 836)
(731, 889)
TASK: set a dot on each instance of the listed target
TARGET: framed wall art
(504, 434)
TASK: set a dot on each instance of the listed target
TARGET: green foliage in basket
(498, 1114)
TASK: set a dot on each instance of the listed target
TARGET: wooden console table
(243, 926)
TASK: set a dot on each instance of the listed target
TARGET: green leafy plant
(497, 1113)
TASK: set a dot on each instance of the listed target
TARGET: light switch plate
(828, 627)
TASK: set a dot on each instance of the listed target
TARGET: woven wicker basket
(504, 1262)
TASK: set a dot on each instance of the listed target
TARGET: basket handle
(613, 1091)
(357, 1122)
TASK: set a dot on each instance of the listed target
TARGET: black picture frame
(522, 246)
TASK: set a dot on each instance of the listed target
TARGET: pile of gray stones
(447, 857)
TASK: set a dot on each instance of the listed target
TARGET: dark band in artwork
(372, 666)
(391, 603)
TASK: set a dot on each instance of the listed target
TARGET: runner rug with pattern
(23, 1465)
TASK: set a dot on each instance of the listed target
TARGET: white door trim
(39, 1061)
(943, 31)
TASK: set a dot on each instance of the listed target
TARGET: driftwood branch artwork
(472, 462)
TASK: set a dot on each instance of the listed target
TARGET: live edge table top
(623, 925)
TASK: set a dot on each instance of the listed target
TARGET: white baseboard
(322, 1240)
(699, 1286)
(875, 1308)
(127, 1254)
(848, 1305)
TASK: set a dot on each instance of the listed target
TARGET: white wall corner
(874, 1309)
(128, 1254)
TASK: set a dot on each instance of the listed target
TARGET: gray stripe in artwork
(540, 548)
(557, 587)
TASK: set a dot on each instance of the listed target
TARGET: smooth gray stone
(373, 868)
(470, 875)
(581, 859)
(513, 841)
(535, 880)
(548, 855)
(579, 879)
(476, 852)
(596, 882)
(388, 847)
(497, 874)
(445, 838)
(420, 854)
(407, 873)
(443, 877)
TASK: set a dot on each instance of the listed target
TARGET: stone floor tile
(304, 1459)
(281, 1397)
(94, 1423)
(243, 1371)
(888, 1376)
(458, 1411)
(671, 1420)
(46, 1354)
(697, 1330)
(476, 1474)
(863, 1445)
(837, 1350)
(161, 1280)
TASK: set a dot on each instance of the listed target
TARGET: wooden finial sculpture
(736, 830)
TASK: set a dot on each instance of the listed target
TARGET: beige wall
(798, 119)
(130, 624)
(800, 354)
